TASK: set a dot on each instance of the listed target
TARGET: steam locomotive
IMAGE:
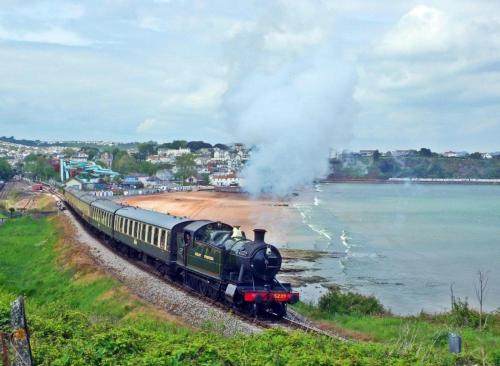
(213, 258)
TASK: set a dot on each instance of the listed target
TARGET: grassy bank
(80, 316)
(367, 320)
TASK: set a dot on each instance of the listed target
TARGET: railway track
(287, 322)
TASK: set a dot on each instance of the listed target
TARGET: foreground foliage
(81, 317)
(338, 302)
(364, 318)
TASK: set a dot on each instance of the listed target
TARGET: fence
(15, 345)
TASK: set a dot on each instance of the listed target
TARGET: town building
(225, 180)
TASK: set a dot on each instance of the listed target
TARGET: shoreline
(430, 181)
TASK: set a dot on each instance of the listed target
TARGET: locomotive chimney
(259, 235)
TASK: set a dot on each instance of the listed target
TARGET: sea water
(405, 244)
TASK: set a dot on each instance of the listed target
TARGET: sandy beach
(277, 217)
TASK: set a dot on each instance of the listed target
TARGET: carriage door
(184, 239)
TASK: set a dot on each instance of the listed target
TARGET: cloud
(147, 125)
(207, 94)
(52, 35)
(431, 73)
(422, 30)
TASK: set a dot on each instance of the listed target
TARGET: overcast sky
(425, 73)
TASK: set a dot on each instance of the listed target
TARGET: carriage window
(167, 239)
(162, 238)
(154, 238)
(136, 229)
(148, 234)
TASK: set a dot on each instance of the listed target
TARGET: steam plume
(292, 114)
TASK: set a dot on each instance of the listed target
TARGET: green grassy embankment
(79, 316)
(366, 320)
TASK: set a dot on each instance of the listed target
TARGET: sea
(406, 244)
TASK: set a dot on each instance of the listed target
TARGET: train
(212, 258)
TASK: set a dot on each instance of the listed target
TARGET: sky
(420, 74)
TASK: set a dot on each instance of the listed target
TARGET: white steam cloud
(292, 108)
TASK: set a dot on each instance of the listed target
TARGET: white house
(450, 154)
(80, 156)
(173, 153)
(224, 180)
(221, 155)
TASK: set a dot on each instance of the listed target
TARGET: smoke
(290, 103)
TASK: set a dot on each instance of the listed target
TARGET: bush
(461, 315)
(496, 357)
(350, 303)
(4, 316)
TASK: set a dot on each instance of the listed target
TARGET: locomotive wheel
(276, 310)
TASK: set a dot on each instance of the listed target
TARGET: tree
(69, 152)
(39, 166)
(480, 291)
(176, 144)
(102, 164)
(476, 155)
(221, 146)
(5, 170)
(92, 152)
(12, 210)
(197, 145)
(424, 152)
(205, 179)
(147, 148)
(376, 155)
(186, 166)
(124, 163)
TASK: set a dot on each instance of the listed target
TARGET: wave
(344, 239)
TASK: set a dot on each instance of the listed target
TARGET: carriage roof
(107, 205)
(151, 217)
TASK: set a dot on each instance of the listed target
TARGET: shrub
(462, 315)
(337, 302)
(4, 316)
(496, 357)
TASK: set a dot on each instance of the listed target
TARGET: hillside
(383, 167)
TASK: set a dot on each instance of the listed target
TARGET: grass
(425, 330)
(79, 316)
